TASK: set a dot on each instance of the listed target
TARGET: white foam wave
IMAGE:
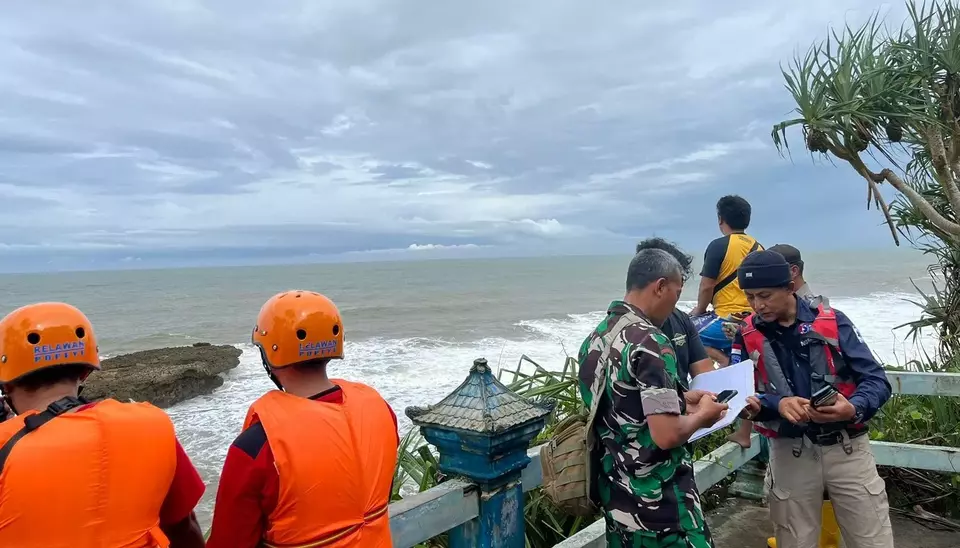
(420, 371)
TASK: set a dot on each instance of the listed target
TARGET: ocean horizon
(414, 253)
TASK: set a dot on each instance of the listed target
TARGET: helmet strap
(273, 377)
(269, 370)
(9, 402)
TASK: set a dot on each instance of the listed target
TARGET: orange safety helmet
(298, 326)
(42, 335)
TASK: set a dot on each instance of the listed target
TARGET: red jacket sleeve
(185, 491)
(238, 517)
(395, 426)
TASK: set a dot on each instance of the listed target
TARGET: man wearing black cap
(817, 444)
(792, 255)
(829, 533)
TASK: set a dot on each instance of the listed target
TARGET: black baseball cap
(790, 253)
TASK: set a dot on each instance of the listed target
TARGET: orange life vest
(93, 478)
(826, 361)
(336, 463)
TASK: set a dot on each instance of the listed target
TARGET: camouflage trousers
(620, 537)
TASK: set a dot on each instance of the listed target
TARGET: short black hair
(648, 266)
(47, 376)
(791, 254)
(735, 211)
(317, 364)
(659, 243)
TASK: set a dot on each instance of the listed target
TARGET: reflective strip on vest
(334, 537)
(335, 462)
(769, 375)
(90, 478)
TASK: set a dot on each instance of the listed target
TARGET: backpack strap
(732, 277)
(37, 420)
(625, 321)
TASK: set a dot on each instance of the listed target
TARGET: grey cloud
(187, 125)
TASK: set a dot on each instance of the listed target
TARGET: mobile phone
(726, 396)
(825, 396)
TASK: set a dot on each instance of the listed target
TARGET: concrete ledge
(532, 475)
(591, 537)
(425, 515)
(922, 457)
(924, 384)
(723, 461)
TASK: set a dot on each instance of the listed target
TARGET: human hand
(794, 409)
(693, 397)
(730, 329)
(752, 408)
(709, 411)
(841, 410)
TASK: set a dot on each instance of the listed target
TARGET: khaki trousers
(859, 495)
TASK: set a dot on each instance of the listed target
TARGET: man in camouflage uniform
(628, 374)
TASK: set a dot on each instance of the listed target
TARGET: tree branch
(921, 203)
(873, 191)
(953, 152)
(882, 206)
(943, 170)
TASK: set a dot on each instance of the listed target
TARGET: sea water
(413, 329)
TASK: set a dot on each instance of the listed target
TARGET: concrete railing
(457, 503)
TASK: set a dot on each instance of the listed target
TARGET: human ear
(661, 285)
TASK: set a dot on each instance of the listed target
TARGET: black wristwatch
(858, 416)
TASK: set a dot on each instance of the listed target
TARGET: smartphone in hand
(726, 396)
(823, 397)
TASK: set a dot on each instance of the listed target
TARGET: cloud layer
(184, 132)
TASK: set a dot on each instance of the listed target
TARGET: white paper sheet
(737, 377)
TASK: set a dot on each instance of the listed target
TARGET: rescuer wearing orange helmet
(332, 444)
(80, 474)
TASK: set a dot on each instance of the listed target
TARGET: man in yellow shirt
(718, 277)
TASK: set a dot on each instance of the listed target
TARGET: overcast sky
(188, 132)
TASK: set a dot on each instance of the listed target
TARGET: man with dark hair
(815, 446)
(642, 419)
(718, 277)
(692, 358)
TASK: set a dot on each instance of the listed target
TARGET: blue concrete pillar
(482, 431)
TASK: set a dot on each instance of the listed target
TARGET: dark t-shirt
(713, 257)
(686, 343)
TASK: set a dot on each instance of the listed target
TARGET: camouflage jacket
(640, 486)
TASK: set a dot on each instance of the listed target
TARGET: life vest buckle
(63, 405)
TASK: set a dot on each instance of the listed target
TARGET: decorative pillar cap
(480, 405)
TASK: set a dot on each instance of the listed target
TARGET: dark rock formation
(164, 376)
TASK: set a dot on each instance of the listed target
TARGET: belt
(833, 438)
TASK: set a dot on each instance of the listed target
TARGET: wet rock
(164, 376)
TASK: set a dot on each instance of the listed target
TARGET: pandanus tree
(886, 102)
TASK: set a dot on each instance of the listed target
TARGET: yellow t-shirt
(720, 262)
